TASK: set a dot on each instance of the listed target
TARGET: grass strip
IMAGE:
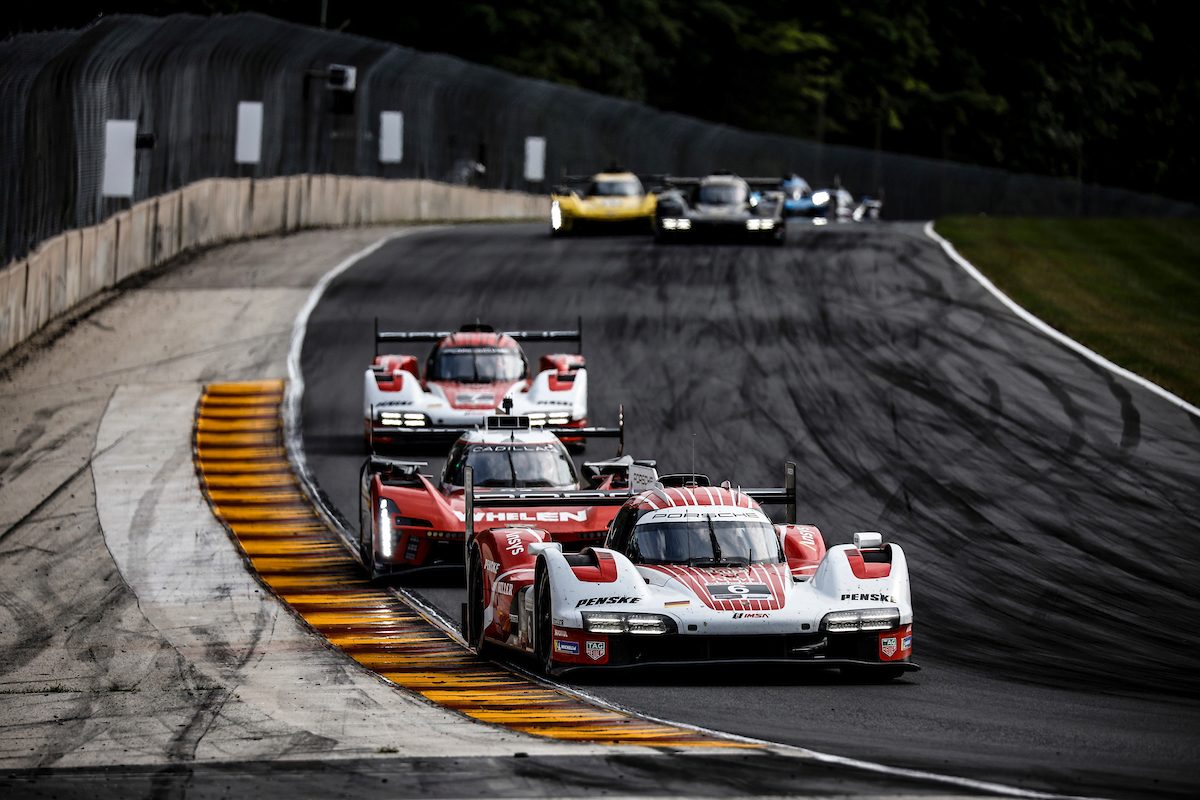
(1127, 288)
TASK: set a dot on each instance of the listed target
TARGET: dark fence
(181, 78)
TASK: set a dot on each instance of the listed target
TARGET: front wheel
(543, 648)
(473, 622)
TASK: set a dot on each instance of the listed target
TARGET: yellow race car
(608, 200)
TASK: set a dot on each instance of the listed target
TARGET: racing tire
(543, 624)
(366, 547)
(473, 608)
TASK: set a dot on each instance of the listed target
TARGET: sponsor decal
(693, 513)
(888, 646)
(514, 448)
(525, 516)
(567, 648)
(806, 536)
(880, 598)
(750, 615)
(504, 588)
(604, 601)
(513, 544)
(676, 603)
(906, 643)
(595, 650)
(739, 591)
(490, 566)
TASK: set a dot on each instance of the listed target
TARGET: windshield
(627, 188)
(476, 365)
(705, 542)
(721, 194)
(512, 465)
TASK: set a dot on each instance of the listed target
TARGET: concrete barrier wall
(70, 268)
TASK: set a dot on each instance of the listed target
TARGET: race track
(1049, 510)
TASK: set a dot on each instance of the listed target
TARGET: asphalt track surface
(1049, 509)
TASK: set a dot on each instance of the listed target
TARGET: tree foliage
(1103, 91)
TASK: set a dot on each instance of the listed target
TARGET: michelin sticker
(568, 648)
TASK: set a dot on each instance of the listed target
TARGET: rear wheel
(543, 625)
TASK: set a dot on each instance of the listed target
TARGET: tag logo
(888, 646)
(596, 650)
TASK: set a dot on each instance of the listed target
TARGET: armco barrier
(74, 266)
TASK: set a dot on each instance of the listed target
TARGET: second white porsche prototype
(468, 376)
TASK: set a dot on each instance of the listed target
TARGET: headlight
(753, 224)
(869, 619)
(673, 224)
(820, 198)
(403, 419)
(387, 541)
(620, 622)
(553, 418)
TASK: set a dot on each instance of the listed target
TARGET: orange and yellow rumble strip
(249, 482)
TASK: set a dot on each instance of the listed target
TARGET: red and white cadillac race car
(406, 519)
(689, 572)
(468, 374)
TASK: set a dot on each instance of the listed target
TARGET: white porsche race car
(468, 376)
(690, 573)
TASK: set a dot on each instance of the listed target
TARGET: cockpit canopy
(694, 536)
(476, 364)
(615, 187)
(512, 465)
(723, 193)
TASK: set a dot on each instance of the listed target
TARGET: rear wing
(504, 422)
(518, 498)
(576, 335)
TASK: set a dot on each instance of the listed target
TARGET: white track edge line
(294, 392)
(1053, 333)
(294, 442)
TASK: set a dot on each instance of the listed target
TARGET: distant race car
(407, 519)
(689, 573)
(606, 200)
(719, 206)
(826, 205)
(468, 374)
